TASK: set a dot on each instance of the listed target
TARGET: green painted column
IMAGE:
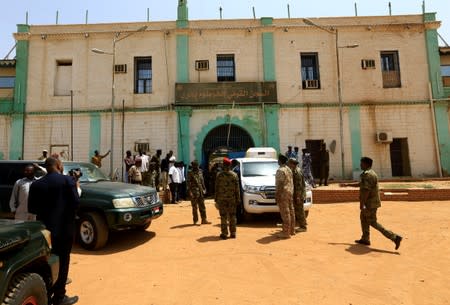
(182, 58)
(354, 115)
(434, 60)
(20, 96)
(95, 133)
(272, 135)
(268, 51)
(442, 124)
(184, 116)
(441, 109)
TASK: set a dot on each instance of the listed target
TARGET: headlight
(123, 203)
(252, 189)
(47, 236)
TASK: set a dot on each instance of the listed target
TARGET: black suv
(104, 205)
(27, 267)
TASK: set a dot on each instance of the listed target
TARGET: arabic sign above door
(244, 93)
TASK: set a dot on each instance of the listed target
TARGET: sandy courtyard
(174, 262)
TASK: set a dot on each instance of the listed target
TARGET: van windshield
(90, 172)
(256, 169)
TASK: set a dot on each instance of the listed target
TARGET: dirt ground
(174, 262)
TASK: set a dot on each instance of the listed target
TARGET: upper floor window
(226, 68)
(143, 75)
(445, 72)
(310, 70)
(63, 78)
(390, 69)
(7, 82)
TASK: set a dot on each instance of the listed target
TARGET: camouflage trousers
(286, 206)
(300, 212)
(227, 211)
(146, 178)
(198, 204)
(369, 218)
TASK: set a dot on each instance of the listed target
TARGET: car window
(90, 172)
(256, 169)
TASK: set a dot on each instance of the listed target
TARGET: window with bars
(390, 69)
(310, 70)
(225, 68)
(445, 72)
(143, 75)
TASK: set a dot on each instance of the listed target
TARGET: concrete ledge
(352, 195)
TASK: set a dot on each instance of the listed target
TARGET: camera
(75, 172)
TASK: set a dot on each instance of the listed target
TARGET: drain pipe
(436, 140)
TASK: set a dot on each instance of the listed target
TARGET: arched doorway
(220, 140)
(233, 137)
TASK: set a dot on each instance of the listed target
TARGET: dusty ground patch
(174, 262)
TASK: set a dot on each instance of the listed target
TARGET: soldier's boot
(205, 222)
(223, 236)
(362, 242)
(233, 235)
(397, 241)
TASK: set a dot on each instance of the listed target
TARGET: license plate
(156, 210)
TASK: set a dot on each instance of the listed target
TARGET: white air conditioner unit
(384, 137)
(311, 84)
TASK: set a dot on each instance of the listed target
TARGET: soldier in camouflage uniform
(299, 194)
(284, 195)
(196, 188)
(227, 197)
(369, 202)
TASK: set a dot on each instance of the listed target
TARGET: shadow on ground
(118, 242)
(358, 249)
(206, 239)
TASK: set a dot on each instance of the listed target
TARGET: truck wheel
(26, 289)
(306, 214)
(92, 231)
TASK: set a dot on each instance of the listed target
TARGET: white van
(257, 176)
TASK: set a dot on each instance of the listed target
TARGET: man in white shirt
(18, 202)
(145, 168)
(175, 181)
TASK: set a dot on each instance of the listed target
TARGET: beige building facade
(363, 85)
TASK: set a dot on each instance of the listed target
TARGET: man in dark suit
(54, 199)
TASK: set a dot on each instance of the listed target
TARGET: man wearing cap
(369, 202)
(299, 194)
(196, 189)
(44, 155)
(284, 194)
(227, 198)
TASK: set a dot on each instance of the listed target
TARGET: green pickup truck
(27, 267)
(105, 205)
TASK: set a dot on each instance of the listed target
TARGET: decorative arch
(252, 127)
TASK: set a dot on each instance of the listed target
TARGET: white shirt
(175, 175)
(145, 163)
(19, 197)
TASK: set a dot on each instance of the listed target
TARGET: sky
(106, 11)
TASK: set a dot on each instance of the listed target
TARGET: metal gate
(239, 139)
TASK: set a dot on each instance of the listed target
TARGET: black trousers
(174, 189)
(61, 247)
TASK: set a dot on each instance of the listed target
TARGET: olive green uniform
(196, 186)
(369, 182)
(284, 197)
(227, 197)
(299, 197)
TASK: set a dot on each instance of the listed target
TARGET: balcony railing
(242, 93)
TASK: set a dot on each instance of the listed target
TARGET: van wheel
(26, 289)
(92, 231)
(306, 214)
